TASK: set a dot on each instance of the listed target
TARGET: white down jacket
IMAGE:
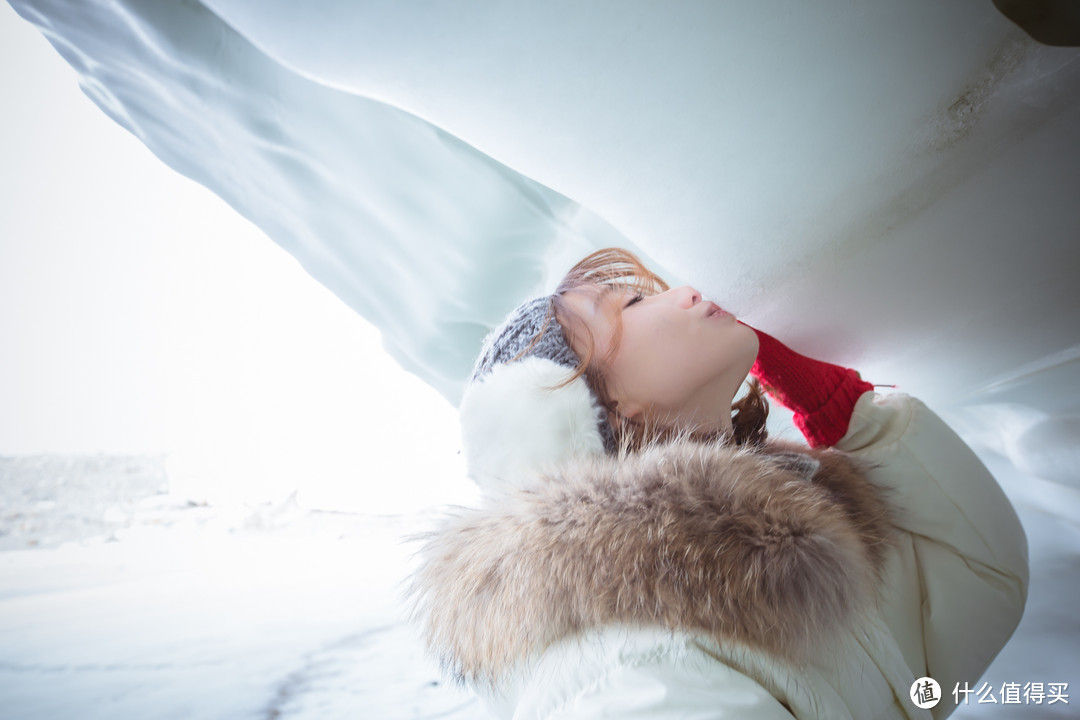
(948, 590)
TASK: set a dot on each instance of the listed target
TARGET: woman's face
(680, 360)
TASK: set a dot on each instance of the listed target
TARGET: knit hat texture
(518, 331)
(509, 341)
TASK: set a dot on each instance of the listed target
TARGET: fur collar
(776, 548)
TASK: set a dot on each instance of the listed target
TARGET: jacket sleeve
(632, 674)
(959, 583)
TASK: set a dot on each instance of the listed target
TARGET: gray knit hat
(506, 342)
(513, 413)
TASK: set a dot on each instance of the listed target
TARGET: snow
(892, 188)
(184, 610)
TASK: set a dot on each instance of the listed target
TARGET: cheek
(701, 354)
(659, 366)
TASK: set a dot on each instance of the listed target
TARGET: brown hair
(615, 268)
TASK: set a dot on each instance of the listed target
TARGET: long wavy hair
(623, 270)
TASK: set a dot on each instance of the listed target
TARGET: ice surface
(422, 235)
(885, 186)
(893, 189)
(52, 499)
(187, 612)
(879, 188)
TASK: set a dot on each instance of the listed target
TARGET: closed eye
(636, 299)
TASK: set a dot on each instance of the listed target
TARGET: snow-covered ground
(121, 601)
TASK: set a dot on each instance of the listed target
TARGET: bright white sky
(139, 313)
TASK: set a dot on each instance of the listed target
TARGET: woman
(645, 550)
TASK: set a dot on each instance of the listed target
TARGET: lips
(715, 310)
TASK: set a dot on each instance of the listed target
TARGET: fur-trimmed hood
(775, 548)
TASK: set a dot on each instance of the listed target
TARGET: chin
(749, 341)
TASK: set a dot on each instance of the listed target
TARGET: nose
(685, 297)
